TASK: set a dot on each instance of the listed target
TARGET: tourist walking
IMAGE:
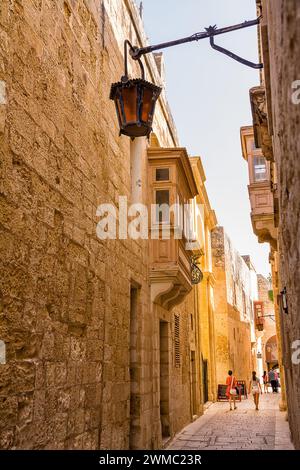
(273, 381)
(255, 388)
(231, 392)
(265, 378)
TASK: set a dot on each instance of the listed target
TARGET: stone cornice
(264, 229)
(169, 287)
(262, 137)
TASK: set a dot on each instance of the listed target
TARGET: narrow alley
(242, 429)
(149, 231)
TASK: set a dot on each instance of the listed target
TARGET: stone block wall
(284, 55)
(65, 294)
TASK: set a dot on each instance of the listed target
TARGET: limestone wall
(64, 294)
(284, 39)
(232, 309)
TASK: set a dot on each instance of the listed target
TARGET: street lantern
(135, 102)
(135, 99)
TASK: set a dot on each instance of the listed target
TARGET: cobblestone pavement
(242, 429)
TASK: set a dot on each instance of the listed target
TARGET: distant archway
(272, 352)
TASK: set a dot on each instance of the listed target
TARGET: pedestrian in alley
(255, 388)
(273, 381)
(265, 378)
(277, 380)
(231, 392)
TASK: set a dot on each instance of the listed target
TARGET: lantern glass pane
(121, 118)
(130, 103)
(147, 104)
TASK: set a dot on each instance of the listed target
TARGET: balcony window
(260, 169)
(190, 221)
(162, 201)
(162, 174)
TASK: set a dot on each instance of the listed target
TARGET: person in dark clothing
(273, 381)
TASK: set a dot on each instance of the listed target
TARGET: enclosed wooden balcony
(259, 315)
(261, 189)
(172, 244)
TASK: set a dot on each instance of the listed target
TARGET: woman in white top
(255, 388)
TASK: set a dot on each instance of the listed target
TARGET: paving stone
(243, 429)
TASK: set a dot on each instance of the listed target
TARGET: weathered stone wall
(64, 294)
(284, 52)
(221, 312)
(180, 384)
(232, 309)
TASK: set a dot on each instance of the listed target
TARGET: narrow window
(234, 294)
(244, 305)
(260, 169)
(162, 174)
(162, 201)
(2, 352)
(177, 340)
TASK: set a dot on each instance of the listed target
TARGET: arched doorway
(272, 352)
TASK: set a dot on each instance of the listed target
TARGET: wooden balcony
(259, 315)
(171, 182)
(262, 212)
(261, 190)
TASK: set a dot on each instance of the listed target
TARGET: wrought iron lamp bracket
(125, 77)
(269, 316)
(230, 54)
(210, 32)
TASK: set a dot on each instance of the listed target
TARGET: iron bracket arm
(136, 52)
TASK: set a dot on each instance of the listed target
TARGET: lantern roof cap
(130, 82)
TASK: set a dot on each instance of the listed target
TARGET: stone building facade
(269, 343)
(103, 337)
(281, 40)
(206, 289)
(235, 291)
(276, 117)
(264, 218)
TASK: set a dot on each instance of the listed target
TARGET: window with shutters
(260, 168)
(177, 340)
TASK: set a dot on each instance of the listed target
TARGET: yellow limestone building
(205, 290)
(235, 292)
